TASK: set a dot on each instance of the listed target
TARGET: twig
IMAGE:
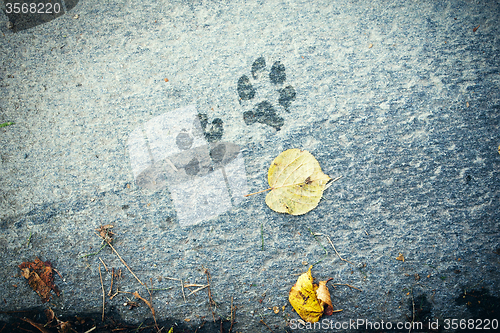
(194, 285)
(183, 294)
(319, 234)
(103, 296)
(182, 286)
(194, 291)
(117, 292)
(90, 330)
(106, 236)
(210, 299)
(136, 294)
(112, 278)
(262, 321)
(345, 284)
(39, 326)
(123, 261)
(197, 328)
(232, 315)
(105, 267)
(58, 273)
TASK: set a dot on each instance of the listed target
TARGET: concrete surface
(130, 113)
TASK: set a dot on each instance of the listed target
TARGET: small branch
(182, 286)
(211, 302)
(319, 234)
(123, 261)
(201, 288)
(39, 326)
(103, 296)
(345, 284)
(232, 315)
(262, 321)
(105, 267)
(112, 278)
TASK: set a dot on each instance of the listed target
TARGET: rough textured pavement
(157, 117)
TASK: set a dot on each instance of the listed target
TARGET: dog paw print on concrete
(215, 131)
(264, 111)
(181, 151)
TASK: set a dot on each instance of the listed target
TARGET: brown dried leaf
(40, 278)
(105, 232)
(323, 295)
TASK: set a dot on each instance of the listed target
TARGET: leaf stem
(247, 195)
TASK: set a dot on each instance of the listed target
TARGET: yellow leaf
(303, 298)
(297, 182)
(400, 257)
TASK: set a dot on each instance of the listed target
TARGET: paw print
(264, 112)
(216, 130)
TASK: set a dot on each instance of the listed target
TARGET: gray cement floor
(157, 117)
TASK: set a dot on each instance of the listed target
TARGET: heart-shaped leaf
(297, 182)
